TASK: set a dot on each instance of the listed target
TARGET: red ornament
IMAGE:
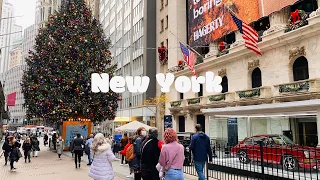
(95, 36)
(180, 62)
(222, 46)
(295, 16)
(60, 67)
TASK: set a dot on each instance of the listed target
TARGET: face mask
(144, 133)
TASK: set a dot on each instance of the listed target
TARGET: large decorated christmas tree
(57, 84)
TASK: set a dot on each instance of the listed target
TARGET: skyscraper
(131, 26)
(28, 41)
(43, 10)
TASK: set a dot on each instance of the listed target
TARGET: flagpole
(187, 45)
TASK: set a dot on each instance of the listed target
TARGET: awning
(122, 119)
(308, 107)
(132, 127)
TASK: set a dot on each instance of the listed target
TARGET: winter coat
(13, 153)
(150, 153)
(26, 146)
(200, 147)
(6, 148)
(35, 144)
(78, 144)
(60, 146)
(101, 167)
(135, 163)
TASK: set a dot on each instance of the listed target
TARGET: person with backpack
(129, 154)
(87, 149)
(123, 143)
(150, 153)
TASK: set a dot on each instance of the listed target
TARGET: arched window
(300, 69)
(256, 78)
(224, 84)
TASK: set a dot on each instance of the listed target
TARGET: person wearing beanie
(150, 153)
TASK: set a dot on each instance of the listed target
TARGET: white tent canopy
(132, 127)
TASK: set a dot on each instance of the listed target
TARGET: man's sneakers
(89, 164)
(121, 164)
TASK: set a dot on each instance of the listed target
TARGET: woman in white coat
(101, 167)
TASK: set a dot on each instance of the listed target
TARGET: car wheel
(243, 157)
(290, 163)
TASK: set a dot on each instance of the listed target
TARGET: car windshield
(281, 140)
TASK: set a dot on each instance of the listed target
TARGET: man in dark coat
(150, 153)
(6, 150)
(78, 148)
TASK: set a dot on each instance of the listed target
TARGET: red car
(277, 149)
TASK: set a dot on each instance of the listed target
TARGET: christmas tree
(57, 84)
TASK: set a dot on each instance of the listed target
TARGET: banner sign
(11, 99)
(210, 19)
(271, 6)
(71, 129)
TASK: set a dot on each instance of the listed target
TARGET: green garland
(245, 94)
(194, 101)
(217, 97)
(294, 87)
(175, 104)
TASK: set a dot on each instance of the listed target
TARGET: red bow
(222, 46)
(295, 16)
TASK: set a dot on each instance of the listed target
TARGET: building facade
(131, 27)
(15, 56)
(12, 83)
(43, 10)
(276, 93)
(9, 33)
(28, 41)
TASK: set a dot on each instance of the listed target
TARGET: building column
(318, 124)
(190, 122)
(207, 125)
(248, 127)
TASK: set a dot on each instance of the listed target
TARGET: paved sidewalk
(46, 167)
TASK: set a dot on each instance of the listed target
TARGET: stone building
(276, 93)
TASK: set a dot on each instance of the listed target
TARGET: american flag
(189, 57)
(249, 35)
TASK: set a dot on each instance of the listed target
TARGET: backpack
(130, 153)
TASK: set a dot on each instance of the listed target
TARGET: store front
(298, 120)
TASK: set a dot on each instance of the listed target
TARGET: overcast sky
(25, 8)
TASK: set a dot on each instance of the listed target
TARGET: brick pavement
(46, 167)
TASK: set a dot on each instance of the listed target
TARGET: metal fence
(262, 161)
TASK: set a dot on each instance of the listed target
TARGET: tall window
(162, 25)
(300, 69)
(167, 22)
(224, 84)
(181, 96)
(256, 78)
(200, 93)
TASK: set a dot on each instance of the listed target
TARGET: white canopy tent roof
(132, 127)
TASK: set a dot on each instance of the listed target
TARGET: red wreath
(222, 46)
(163, 56)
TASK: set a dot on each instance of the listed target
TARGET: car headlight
(307, 154)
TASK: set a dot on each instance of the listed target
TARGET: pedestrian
(27, 148)
(77, 147)
(141, 135)
(87, 149)
(14, 152)
(60, 147)
(123, 143)
(124, 153)
(150, 153)
(101, 168)
(6, 150)
(71, 147)
(54, 141)
(172, 156)
(35, 146)
(45, 139)
(201, 149)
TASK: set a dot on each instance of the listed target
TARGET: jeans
(27, 155)
(89, 158)
(174, 174)
(199, 168)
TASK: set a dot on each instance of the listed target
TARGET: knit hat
(153, 133)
